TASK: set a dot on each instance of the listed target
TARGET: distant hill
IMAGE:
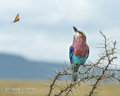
(17, 67)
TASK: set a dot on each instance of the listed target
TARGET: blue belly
(79, 60)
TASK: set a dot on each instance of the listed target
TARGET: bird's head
(79, 33)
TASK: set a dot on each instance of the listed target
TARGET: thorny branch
(109, 62)
(106, 59)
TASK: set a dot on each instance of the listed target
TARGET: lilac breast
(80, 47)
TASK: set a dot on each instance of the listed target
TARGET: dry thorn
(106, 58)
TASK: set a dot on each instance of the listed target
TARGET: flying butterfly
(16, 19)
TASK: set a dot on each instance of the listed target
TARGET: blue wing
(71, 53)
(88, 53)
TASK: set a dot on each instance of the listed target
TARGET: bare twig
(102, 65)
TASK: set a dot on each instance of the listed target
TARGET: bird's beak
(75, 29)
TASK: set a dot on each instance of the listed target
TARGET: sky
(45, 30)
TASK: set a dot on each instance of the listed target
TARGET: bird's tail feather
(74, 70)
(74, 77)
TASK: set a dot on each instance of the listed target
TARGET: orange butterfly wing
(16, 18)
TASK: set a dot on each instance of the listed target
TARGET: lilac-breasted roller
(78, 52)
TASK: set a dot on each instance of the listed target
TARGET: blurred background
(34, 47)
(39, 43)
